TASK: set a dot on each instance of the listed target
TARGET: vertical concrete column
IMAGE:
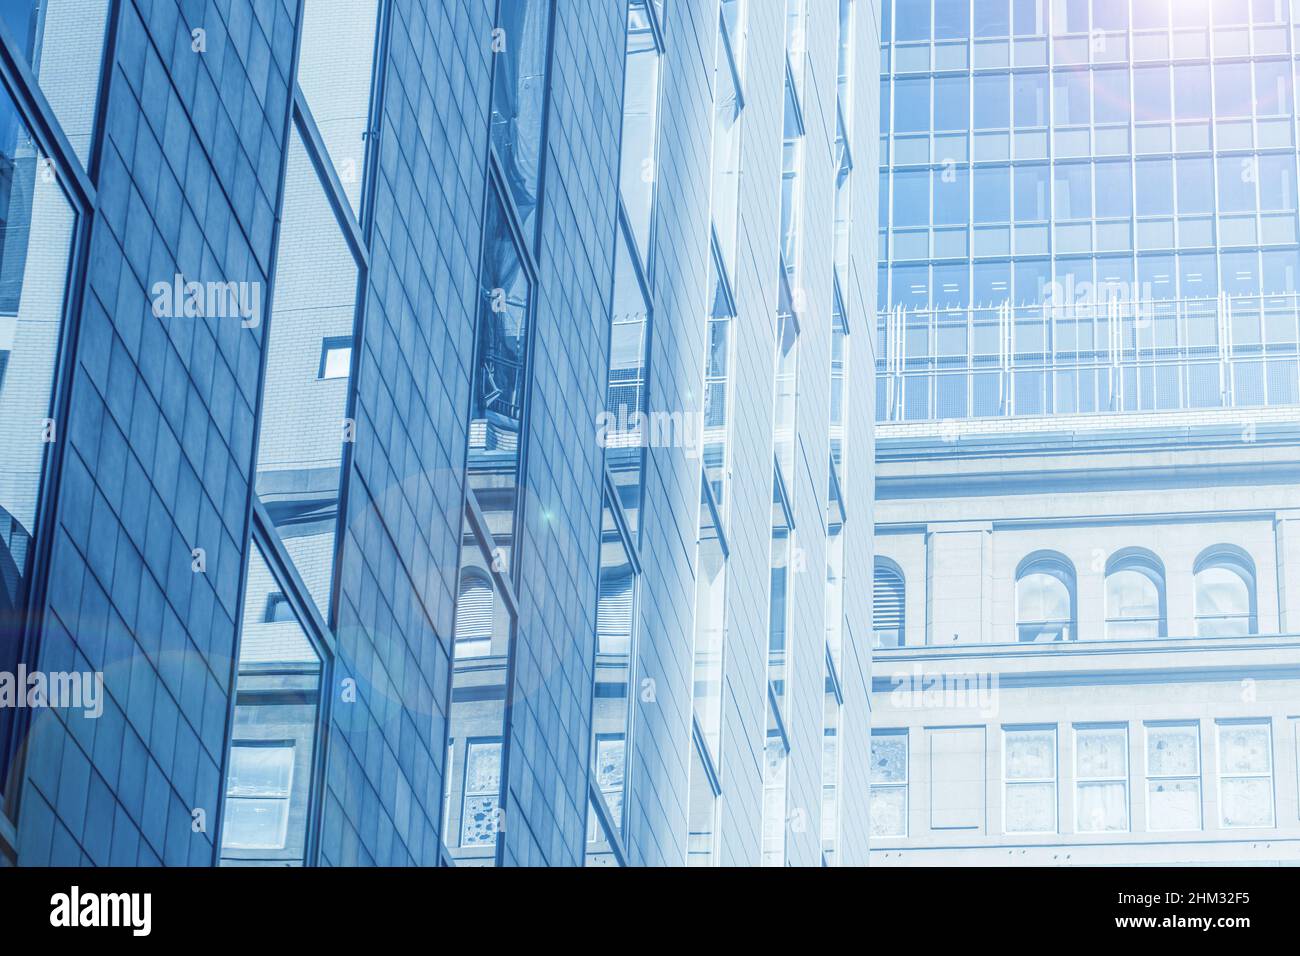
(959, 582)
(1287, 531)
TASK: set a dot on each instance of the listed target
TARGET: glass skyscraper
(1087, 206)
(428, 434)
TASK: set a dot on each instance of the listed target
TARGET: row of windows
(1068, 191)
(1046, 599)
(907, 21)
(1154, 283)
(1100, 96)
(1031, 777)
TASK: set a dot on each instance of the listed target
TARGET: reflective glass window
(334, 72)
(519, 99)
(63, 42)
(640, 124)
(274, 734)
(304, 426)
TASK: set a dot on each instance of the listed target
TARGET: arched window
(1225, 593)
(1135, 596)
(1045, 604)
(474, 611)
(887, 611)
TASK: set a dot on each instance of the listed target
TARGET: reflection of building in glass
(368, 575)
(1088, 390)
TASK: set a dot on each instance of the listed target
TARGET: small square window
(335, 358)
(278, 609)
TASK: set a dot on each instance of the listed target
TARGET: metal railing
(1117, 355)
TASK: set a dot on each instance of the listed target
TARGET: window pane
(63, 41)
(1114, 190)
(888, 811)
(992, 194)
(613, 665)
(484, 636)
(626, 401)
(1102, 807)
(726, 160)
(1031, 755)
(888, 796)
(1042, 597)
(888, 758)
(775, 758)
(1221, 590)
(710, 631)
(519, 99)
(300, 447)
(334, 71)
(1131, 594)
(1031, 808)
(273, 741)
(640, 124)
(1174, 804)
(1247, 801)
(830, 772)
(1244, 748)
(1173, 751)
(500, 375)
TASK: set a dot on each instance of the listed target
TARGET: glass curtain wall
(715, 497)
(627, 406)
(285, 649)
(476, 776)
(1087, 207)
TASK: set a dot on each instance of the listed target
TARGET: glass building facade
(434, 436)
(1087, 206)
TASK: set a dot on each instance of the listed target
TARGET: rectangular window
(1029, 779)
(258, 788)
(778, 624)
(710, 629)
(640, 123)
(615, 656)
(334, 72)
(1245, 754)
(1173, 776)
(791, 182)
(1101, 779)
(889, 772)
(335, 358)
(727, 105)
(301, 441)
(717, 387)
(481, 792)
(627, 396)
(519, 102)
(483, 640)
